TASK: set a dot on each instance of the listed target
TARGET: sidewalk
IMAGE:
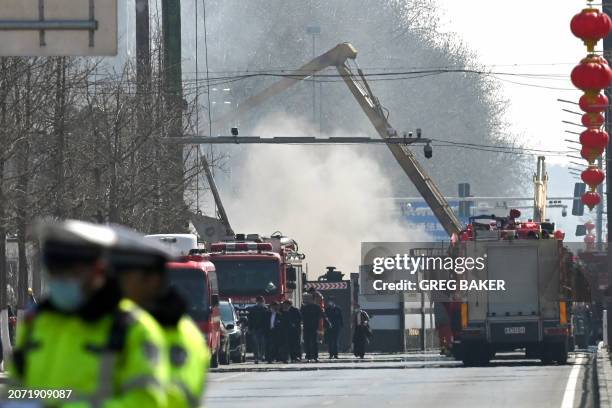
(604, 378)
(347, 361)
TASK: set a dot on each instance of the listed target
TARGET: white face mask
(66, 293)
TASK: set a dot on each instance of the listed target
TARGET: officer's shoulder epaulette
(131, 311)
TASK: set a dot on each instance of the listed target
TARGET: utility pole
(607, 45)
(174, 207)
(143, 61)
(144, 97)
(423, 330)
(143, 48)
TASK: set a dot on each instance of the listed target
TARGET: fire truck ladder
(339, 57)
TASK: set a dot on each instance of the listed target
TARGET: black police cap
(58, 254)
(68, 242)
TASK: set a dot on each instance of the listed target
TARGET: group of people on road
(277, 329)
(111, 332)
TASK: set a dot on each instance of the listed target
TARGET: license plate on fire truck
(514, 330)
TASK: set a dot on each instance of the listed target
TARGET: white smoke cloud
(328, 198)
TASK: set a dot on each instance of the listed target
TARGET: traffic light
(577, 206)
(428, 151)
(464, 206)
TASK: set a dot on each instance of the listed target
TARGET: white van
(180, 244)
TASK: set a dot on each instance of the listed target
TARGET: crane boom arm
(337, 57)
(540, 186)
(334, 57)
(403, 155)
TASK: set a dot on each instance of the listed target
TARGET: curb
(406, 359)
(604, 378)
(594, 381)
(436, 364)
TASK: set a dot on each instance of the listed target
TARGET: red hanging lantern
(593, 103)
(593, 177)
(589, 226)
(594, 139)
(591, 25)
(593, 120)
(590, 199)
(591, 75)
(590, 154)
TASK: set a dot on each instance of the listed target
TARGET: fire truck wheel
(476, 355)
(547, 356)
(239, 356)
(561, 354)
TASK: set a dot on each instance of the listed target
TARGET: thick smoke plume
(328, 198)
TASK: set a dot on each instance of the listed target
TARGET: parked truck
(533, 312)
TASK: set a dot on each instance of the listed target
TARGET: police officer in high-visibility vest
(140, 265)
(83, 340)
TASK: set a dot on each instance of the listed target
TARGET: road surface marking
(572, 381)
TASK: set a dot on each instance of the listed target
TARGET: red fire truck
(251, 265)
(532, 312)
(195, 279)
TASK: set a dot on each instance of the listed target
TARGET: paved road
(371, 361)
(505, 383)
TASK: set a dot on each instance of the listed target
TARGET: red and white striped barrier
(327, 285)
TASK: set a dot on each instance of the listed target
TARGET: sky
(525, 37)
(519, 37)
(529, 37)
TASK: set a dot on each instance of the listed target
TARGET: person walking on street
(258, 319)
(311, 316)
(334, 318)
(273, 333)
(31, 300)
(84, 339)
(362, 333)
(293, 319)
(12, 322)
(140, 266)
